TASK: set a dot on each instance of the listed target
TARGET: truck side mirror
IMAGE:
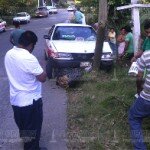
(46, 37)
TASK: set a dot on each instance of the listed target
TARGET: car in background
(52, 9)
(70, 45)
(22, 17)
(71, 8)
(42, 12)
(2, 25)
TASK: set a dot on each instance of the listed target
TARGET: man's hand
(41, 77)
(133, 59)
(136, 55)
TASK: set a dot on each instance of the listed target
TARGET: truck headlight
(107, 56)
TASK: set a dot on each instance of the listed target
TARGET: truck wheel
(45, 56)
(109, 68)
(50, 70)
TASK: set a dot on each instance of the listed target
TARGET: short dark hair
(16, 23)
(123, 28)
(78, 8)
(147, 24)
(112, 28)
(128, 28)
(27, 38)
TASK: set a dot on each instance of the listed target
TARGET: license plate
(84, 64)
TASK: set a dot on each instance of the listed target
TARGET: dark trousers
(138, 111)
(113, 46)
(29, 121)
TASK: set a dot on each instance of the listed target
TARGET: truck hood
(19, 18)
(78, 46)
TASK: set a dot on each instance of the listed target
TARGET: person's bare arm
(119, 38)
(126, 45)
(42, 77)
(125, 48)
(139, 82)
(137, 55)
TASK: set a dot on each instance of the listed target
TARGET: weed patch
(98, 110)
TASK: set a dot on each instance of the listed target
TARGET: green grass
(97, 111)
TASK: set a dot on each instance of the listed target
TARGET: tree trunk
(40, 2)
(100, 33)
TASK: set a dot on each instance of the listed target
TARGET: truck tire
(45, 56)
(49, 69)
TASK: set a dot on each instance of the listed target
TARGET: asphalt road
(54, 98)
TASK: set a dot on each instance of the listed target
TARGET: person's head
(122, 31)
(78, 8)
(127, 29)
(112, 30)
(16, 24)
(28, 40)
(147, 27)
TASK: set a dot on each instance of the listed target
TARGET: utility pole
(136, 25)
(40, 3)
(52, 2)
(102, 20)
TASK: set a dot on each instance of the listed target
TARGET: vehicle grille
(82, 56)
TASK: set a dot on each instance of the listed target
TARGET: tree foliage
(114, 17)
(9, 7)
(110, 2)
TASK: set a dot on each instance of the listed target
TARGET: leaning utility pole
(40, 3)
(102, 20)
(52, 3)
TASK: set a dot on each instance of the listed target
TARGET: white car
(71, 8)
(52, 9)
(2, 25)
(22, 17)
(72, 45)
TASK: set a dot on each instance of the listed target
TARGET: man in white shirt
(25, 76)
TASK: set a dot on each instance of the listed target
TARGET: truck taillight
(51, 53)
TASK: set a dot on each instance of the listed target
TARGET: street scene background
(54, 98)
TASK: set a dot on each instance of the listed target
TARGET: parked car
(72, 45)
(52, 9)
(22, 17)
(42, 12)
(71, 8)
(2, 25)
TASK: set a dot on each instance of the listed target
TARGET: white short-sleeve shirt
(22, 68)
